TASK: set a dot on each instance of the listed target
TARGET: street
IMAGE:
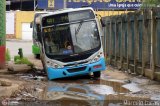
(80, 53)
(14, 45)
(114, 88)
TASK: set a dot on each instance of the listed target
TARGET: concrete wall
(110, 13)
(22, 17)
(10, 25)
(131, 42)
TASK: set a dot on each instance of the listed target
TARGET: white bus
(70, 43)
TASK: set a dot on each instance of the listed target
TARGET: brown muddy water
(79, 91)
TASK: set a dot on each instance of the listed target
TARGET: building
(23, 5)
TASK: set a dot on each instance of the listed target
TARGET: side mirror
(102, 23)
(31, 24)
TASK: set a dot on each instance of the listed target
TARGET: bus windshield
(68, 39)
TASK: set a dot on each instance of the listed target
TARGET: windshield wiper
(79, 27)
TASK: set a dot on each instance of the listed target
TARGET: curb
(18, 40)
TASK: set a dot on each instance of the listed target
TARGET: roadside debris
(18, 68)
(30, 76)
(23, 95)
(34, 74)
(5, 82)
(127, 81)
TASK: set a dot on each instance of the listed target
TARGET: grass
(23, 60)
(8, 56)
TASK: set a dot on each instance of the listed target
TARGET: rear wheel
(97, 74)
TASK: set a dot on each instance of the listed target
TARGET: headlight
(97, 57)
(54, 65)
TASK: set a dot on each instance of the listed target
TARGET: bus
(70, 43)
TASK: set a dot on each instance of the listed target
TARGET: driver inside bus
(68, 48)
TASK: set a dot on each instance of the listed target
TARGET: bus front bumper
(77, 70)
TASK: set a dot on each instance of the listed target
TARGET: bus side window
(38, 27)
(34, 31)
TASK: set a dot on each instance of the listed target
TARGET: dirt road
(114, 88)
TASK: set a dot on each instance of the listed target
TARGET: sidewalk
(18, 40)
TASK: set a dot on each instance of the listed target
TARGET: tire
(37, 56)
(44, 68)
(97, 74)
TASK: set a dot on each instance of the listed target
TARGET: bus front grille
(76, 69)
(75, 58)
(68, 65)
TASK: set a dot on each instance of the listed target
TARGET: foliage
(150, 3)
(8, 56)
(23, 60)
(16, 58)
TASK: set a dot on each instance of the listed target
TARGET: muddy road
(114, 88)
(78, 91)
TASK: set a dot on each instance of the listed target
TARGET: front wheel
(44, 67)
(97, 74)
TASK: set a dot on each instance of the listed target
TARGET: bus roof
(67, 10)
(43, 12)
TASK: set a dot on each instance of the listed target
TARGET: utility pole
(2, 33)
(21, 6)
(34, 5)
(64, 2)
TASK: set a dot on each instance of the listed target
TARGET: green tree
(151, 3)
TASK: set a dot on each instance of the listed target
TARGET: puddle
(90, 95)
(155, 97)
(132, 87)
(102, 89)
(117, 85)
(78, 91)
(107, 93)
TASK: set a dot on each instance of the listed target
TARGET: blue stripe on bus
(62, 72)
